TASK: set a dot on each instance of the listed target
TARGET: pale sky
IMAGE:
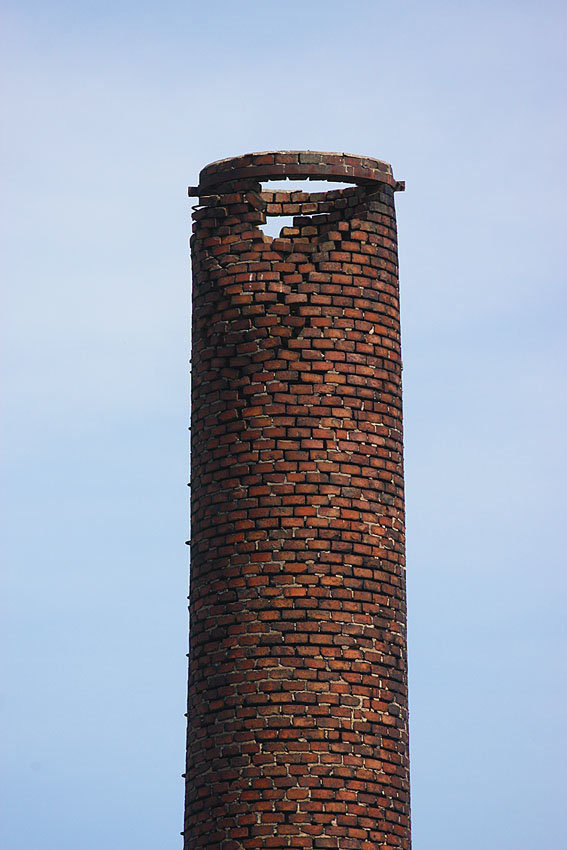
(111, 110)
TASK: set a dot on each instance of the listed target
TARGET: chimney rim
(296, 165)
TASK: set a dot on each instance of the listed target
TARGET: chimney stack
(298, 709)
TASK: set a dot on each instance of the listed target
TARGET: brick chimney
(297, 711)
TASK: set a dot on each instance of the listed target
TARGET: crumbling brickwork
(297, 714)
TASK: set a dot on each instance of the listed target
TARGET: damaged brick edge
(298, 165)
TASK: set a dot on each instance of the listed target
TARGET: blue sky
(111, 109)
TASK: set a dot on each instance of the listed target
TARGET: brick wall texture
(297, 712)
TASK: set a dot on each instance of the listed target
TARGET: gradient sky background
(111, 109)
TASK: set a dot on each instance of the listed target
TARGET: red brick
(297, 712)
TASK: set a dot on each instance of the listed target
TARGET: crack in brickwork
(297, 711)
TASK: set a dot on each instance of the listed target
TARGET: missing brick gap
(275, 224)
(309, 186)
